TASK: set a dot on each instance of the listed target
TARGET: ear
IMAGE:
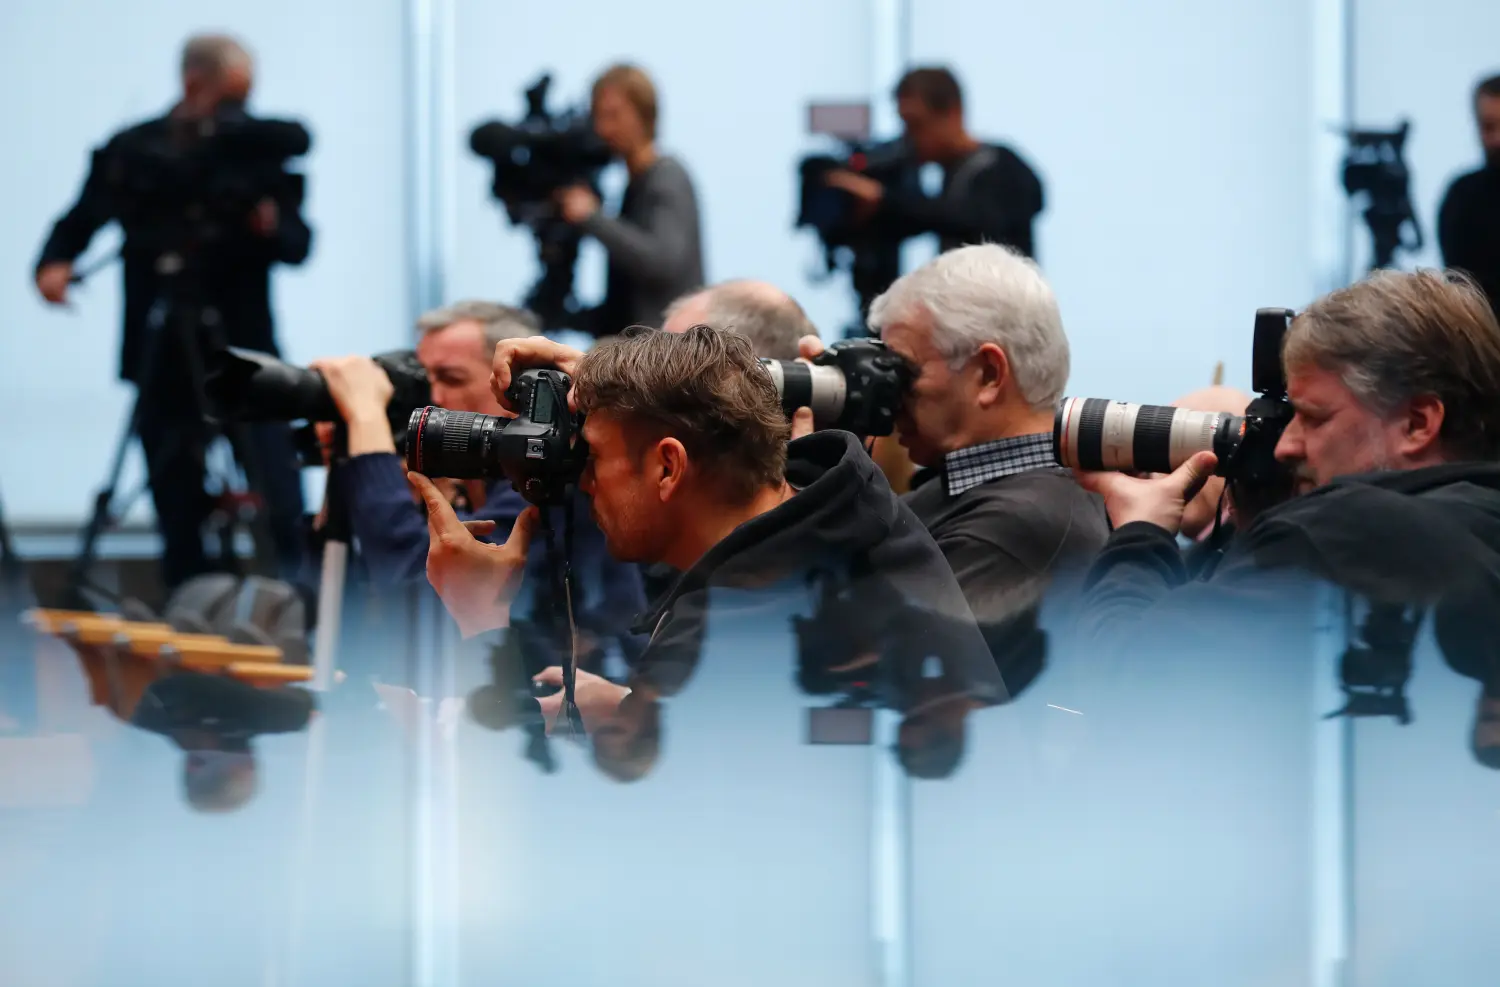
(672, 463)
(994, 374)
(1422, 426)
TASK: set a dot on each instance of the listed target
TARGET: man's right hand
(809, 348)
(533, 352)
(475, 580)
(52, 281)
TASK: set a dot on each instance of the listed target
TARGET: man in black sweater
(689, 465)
(1394, 443)
(990, 194)
(655, 246)
(981, 330)
(1469, 220)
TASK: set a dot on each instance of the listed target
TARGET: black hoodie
(847, 533)
(1425, 538)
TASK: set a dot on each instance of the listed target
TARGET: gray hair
(1396, 336)
(215, 54)
(500, 322)
(986, 294)
(767, 316)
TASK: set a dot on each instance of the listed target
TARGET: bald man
(231, 288)
(770, 317)
(1198, 518)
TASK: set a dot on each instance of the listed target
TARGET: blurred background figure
(654, 244)
(1469, 221)
(193, 283)
(769, 317)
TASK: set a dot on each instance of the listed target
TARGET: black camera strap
(562, 581)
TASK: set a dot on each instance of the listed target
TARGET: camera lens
(803, 385)
(1097, 434)
(459, 445)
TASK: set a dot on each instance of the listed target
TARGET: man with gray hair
(455, 345)
(981, 330)
(769, 317)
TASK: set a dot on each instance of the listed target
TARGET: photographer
(654, 245)
(990, 195)
(235, 287)
(455, 347)
(1393, 444)
(689, 465)
(981, 331)
(1469, 218)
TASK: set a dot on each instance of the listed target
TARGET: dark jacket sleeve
(72, 233)
(1456, 229)
(1001, 200)
(391, 528)
(656, 242)
(1139, 566)
(291, 243)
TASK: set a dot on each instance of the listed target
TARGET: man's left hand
(867, 190)
(1157, 500)
(358, 386)
(577, 204)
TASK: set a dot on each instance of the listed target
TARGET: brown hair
(637, 88)
(937, 88)
(1396, 336)
(1486, 87)
(703, 387)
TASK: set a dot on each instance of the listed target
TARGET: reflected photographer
(688, 464)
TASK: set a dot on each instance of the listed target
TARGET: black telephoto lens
(459, 445)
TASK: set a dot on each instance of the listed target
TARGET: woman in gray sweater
(654, 245)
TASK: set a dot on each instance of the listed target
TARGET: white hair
(986, 294)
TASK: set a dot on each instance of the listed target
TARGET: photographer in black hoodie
(1394, 444)
(689, 465)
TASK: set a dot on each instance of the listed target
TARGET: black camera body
(541, 450)
(196, 183)
(830, 211)
(857, 385)
(250, 386)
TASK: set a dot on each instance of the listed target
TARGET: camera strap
(569, 717)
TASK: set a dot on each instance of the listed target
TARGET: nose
(1289, 448)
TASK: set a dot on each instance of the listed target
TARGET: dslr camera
(247, 385)
(856, 385)
(1098, 434)
(533, 159)
(541, 450)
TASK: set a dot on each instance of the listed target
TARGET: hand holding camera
(531, 353)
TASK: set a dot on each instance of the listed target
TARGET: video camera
(533, 160)
(247, 385)
(1374, 167)
(197, 182)
(541, 450)
(856, 385)
(1098, 434)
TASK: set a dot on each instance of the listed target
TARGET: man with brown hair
(655, 246)
(689, 464)
(1396, 447)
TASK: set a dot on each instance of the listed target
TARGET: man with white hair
(981, 330)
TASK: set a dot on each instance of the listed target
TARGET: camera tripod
(181, 326)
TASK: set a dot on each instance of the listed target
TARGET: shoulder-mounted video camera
(541, 450)
(856, 385)
(1374, 166)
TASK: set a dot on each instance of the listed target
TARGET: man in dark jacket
(231, 280)
(455, 347)
(990, 195)
(689, 465)
(1394, 444)
(1469, 218)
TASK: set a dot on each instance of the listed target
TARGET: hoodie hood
(847, 530)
